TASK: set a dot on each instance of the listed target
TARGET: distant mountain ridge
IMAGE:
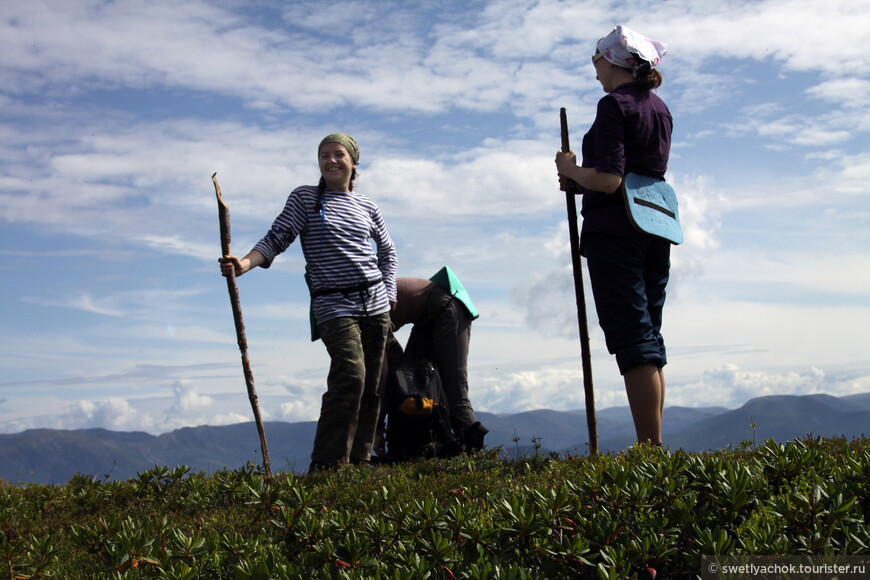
(49, 456)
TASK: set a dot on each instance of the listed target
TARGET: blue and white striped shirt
(335, 243)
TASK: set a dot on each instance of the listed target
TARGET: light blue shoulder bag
(652, 207)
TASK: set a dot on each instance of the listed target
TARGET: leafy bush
(644, 513)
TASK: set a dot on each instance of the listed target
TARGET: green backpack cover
(446, 278)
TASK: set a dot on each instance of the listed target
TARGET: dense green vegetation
(644, 513)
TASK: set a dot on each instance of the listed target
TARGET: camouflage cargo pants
(349, 411)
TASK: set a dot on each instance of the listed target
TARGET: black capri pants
(628, 275)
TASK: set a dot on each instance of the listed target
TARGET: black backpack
(418, 421)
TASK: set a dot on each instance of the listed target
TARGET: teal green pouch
(447, 279)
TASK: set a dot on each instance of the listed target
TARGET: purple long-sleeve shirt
(631, 134)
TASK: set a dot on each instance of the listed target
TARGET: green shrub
(645, 512)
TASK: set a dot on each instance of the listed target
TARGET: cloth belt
(345, 290)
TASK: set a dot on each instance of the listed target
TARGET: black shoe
(316, 466)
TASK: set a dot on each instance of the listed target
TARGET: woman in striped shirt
(353, 289)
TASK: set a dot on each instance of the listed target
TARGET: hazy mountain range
(53, 456)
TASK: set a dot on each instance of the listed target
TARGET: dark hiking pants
(349, 411)
(445, 331)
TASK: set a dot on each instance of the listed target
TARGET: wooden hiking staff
(232, 287)
(579, 294)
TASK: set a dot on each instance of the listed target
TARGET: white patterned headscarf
(626, 48)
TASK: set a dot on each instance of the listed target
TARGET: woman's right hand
(231, 265)
(566, 162)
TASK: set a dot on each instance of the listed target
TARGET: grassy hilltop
(644, 513)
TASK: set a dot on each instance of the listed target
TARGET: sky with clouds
(115, 114)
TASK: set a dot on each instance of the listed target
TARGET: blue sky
(114, 115)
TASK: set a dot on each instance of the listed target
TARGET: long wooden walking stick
(580, 296)
(232, 287)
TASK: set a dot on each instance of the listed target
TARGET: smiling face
(336, 166)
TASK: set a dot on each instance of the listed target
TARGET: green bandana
(342, 139)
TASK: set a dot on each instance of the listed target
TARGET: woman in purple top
(628, 270)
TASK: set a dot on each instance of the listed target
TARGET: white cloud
(843, 88)
(729, 386)
(188, 406)
(522, 391)
(114, 413)
(229, 419)
(467, 63)
(849, 173)
(499, 179)
(299, 410)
